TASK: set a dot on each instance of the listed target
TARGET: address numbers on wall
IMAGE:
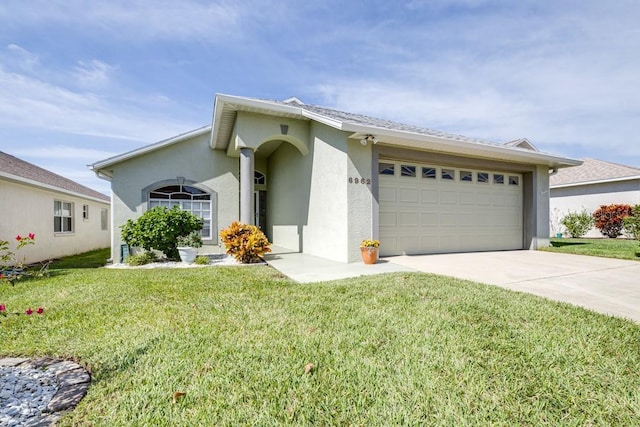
(359, 180)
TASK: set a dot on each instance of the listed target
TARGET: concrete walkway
(605, 285)
(306, 268)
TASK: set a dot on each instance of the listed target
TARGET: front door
(260, 209)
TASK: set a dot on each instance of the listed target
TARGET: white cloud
(132, 20)
(88, 155)
(93, 74)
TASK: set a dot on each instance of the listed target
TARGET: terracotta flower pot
(369, 254)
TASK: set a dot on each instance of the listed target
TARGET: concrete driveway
(604, 285)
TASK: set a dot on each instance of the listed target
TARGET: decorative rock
(34, 392)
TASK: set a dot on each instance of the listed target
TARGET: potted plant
(187, 246)
(369, 251)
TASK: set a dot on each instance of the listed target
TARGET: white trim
(44, 186)
(597, 181)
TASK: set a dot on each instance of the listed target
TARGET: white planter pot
(187, 254)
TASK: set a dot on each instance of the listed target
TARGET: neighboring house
(589, 186)
(66, 217)
(319, 181)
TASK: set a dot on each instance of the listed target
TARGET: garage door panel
(427, 215)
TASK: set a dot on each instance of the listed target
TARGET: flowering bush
(369, 243)
(246, 243)
(29, 311)
(609, 219)
(11, 267)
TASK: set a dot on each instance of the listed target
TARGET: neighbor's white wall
(192, 159)
(590, 198)
(29, 209)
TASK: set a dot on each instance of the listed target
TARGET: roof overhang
(42, 185)
(99, 167)
(521, 151)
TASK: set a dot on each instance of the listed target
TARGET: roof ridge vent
(293, 100)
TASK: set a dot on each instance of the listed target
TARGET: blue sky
(81, 81)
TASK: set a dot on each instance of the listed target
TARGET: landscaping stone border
(72, 379)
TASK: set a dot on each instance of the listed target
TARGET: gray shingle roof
(593, 170)
(17, 167)
(363, 120)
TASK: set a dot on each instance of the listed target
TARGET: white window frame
(187, 205)
(66, 221)
(85, 212)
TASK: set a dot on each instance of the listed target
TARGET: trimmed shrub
(577, 224)
(609, 219)
(146, 257)
(246, 243)
(159, 228)
(632, 223)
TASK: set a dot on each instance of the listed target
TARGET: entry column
(246, 186)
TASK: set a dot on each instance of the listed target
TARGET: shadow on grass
(561, 244)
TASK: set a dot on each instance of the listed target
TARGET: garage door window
(498, 178)
(409, 171)
(483, 177)
(466, 176)
(429, 173)
(514, 180)
(386, 168)
(448, 174)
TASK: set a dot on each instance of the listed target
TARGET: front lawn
(249, 347)
(607, 248)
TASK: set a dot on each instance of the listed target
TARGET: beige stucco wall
(590, 198)
(193, 160)
(29, 209)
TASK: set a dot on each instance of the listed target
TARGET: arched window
(188, 198)
(259, 178)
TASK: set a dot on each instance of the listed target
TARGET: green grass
(93, 259)
(397, 349)
(607, 248)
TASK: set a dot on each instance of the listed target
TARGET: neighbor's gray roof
(593, 170)
(28, 172)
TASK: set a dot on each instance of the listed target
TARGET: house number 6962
(359, 180)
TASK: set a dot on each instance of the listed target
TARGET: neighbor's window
(483, 177)
(466, 176)
(448, 174)
(407, 170)
(386, 168)
(429, 173)
(85, 212)
(514, 180)
(104, 219)
(188, 198)
(498, 178)
(62, 217)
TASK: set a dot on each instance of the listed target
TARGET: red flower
(29, 312)
(40, 310)
(18, 237)
(3, 307)
(32, 236)
(0, 276)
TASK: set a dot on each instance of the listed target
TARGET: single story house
(319, 181)
(66, 217)
(589, 186)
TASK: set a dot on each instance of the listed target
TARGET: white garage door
(433, 209)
